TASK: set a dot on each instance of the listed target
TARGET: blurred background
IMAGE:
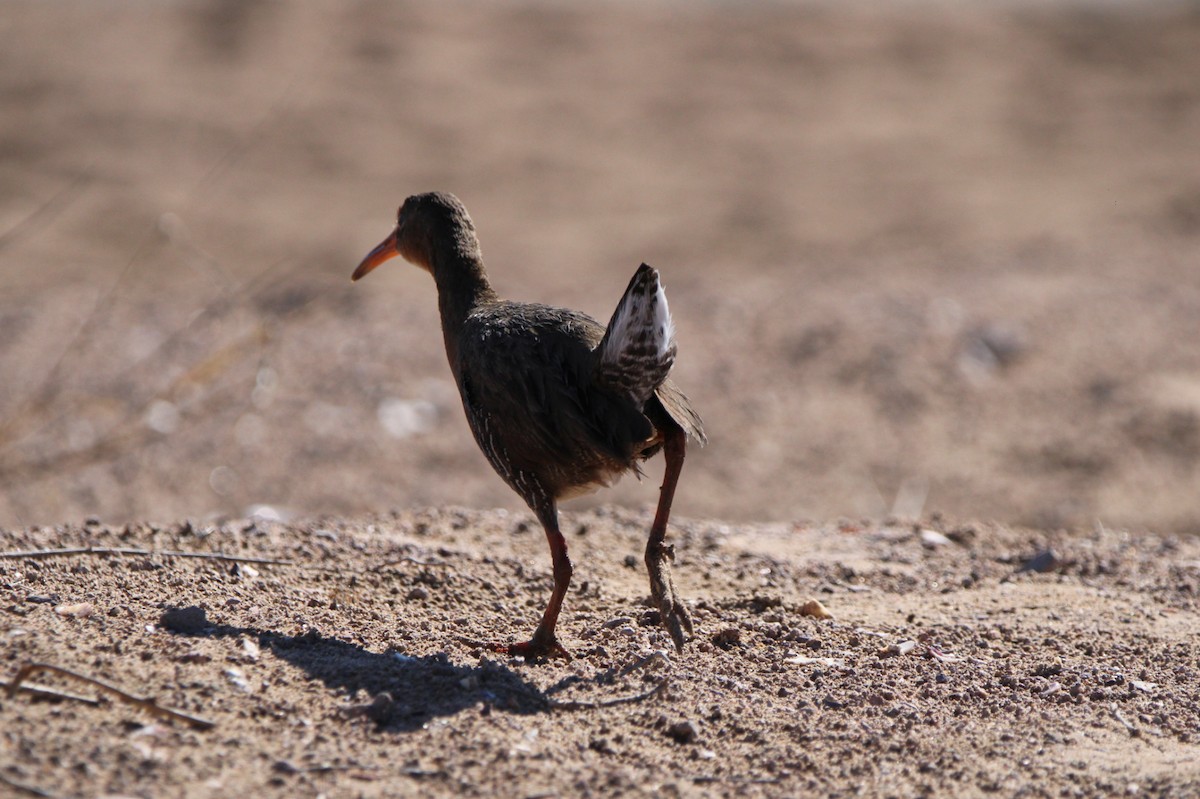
(922, 256)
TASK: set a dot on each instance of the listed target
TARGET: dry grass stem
(166, 553)
(658, 688)
(145, 703)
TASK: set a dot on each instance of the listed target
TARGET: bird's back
(527, 374)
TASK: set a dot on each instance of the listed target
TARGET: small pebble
(600, 745)
(79, 610)
(1043, 561)
(1048, 669)
(895, 650)
(814, 608)
(684, 732)
(191, 619)
(728, 638)
(238, 678)
(932, 539)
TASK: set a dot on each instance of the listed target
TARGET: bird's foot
(538, 648)
(675, 615)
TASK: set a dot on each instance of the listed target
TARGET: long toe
(674, 613)
(675, 618)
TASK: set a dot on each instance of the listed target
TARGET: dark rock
(191, 619)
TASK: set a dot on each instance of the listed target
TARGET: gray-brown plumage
(559, 404)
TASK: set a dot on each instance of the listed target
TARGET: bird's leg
(659, 554)
(544, 644)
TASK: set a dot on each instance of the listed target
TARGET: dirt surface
(355, 669)
(934, 258)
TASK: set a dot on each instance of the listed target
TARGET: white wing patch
(663, 323)
(638, 349)
(640, 320)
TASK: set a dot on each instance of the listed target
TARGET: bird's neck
(462, 287)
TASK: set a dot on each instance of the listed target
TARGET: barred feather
(638, 348)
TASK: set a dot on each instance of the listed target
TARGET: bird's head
(425, 224)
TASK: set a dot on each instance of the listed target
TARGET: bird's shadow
(402, 693)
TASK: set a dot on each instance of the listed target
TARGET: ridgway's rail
(559, 404)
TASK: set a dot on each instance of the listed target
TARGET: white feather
(633, 317)
(663, 325)
(619, 329)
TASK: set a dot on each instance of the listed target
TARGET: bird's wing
(679, 407)
(531, 368)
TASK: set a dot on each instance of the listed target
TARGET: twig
(28, 789)
(657, 656)
(409, 559)
(46, 692)
(145, 703)
(1129, 727)
(554, 704)
(167, 553)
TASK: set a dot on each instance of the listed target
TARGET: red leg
(544, 644)
(675, 616)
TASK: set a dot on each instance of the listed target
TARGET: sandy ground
(933, 259)
(356, 667)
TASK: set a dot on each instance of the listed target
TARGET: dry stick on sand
(555, 704)
(659, 687)
(35, 554)
(46, 692)
(620, 700)
(145, 703)
(28, 790)
(409, 559)
(50, 553)
(1129, 727)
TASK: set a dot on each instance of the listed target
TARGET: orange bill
(383, 252)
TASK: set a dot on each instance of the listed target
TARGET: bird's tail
(638, 348)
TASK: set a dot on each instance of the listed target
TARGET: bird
(559, 404)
